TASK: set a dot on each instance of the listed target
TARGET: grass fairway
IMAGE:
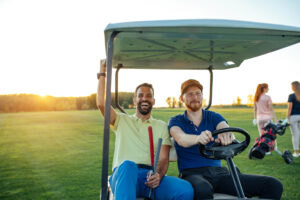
(57, 155)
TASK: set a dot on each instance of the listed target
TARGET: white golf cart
(184, 45)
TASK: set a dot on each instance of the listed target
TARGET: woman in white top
(263, 109)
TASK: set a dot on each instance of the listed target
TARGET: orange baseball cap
(189, 83)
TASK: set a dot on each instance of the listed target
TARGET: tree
(79, 103)
(91, 101)
(174, 102)
(31, 102)
(125, 104)
(126, 97)
(238, 101)
(250, 100)
(179, 103)
(169, 102)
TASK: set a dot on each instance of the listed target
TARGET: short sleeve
(290, 99)
(217, 118)
(174, 121)
(165, 136)
(115, 126)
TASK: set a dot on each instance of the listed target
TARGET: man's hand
(103, 66)
(153, 181)
(225, 138)
(205, 137)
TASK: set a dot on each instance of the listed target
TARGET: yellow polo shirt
(132, 139)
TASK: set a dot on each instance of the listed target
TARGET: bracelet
(101, 74)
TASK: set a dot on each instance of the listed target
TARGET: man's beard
(194, 108)
(144, 111)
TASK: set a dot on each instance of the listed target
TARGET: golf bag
(266, 142)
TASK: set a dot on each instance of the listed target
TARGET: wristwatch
(101, 74)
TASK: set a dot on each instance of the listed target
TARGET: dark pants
(209, 180)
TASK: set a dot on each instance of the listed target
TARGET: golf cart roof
(195, 44)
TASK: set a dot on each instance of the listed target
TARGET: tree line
(32, 102)
(176, 103)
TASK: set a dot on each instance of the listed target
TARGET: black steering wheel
(217, 151)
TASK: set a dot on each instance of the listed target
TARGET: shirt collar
(185, 117)
(147, 121)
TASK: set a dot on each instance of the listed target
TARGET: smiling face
(144, 100)
(192, 98)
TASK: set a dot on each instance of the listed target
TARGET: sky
(54, 47)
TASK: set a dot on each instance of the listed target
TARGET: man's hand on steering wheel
(205, 137)
(225, 138)
(218, 152)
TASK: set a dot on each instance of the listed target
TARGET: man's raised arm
(101, 93)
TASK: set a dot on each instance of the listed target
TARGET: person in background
(131, 175)
(263, 108)
(293, 114)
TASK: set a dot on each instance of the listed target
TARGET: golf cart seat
(172, 154)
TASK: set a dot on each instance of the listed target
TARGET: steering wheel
(216, 151)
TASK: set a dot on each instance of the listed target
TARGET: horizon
(166, 106)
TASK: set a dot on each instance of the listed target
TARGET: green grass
(57, 155)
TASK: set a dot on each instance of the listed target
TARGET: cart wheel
(288, 157)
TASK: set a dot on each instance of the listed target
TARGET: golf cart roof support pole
(211, 59)
(235, 178)
(117, 88)
(210, 87)
(105, 153)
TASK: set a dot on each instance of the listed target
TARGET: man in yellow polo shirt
(132, 163)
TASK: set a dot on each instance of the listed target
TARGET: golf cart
(186, 45)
